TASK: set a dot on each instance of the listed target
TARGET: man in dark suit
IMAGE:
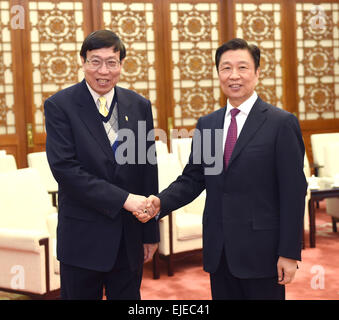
(100, 244)
(253, 217)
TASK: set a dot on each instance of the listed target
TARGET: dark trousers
(225, 286)
(119, 284)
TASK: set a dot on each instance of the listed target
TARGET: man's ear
(82, 61)
(122, 62)
(257, 73)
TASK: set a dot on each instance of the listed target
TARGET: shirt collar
(245, 107)
(109, 95)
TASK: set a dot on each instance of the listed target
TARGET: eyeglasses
(96, 63)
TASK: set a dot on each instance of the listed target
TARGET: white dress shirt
(109, 97)
(245, 109)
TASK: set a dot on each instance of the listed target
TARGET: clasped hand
(142, 208)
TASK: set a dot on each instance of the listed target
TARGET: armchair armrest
(196, 206)
(316, 168)
(52, 222)
(23, 240)
(54, 197)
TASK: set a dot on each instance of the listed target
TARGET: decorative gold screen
(318, 60)
(260, 24)
(195, 38)
(56, 39)
(7, 116)
(134, 24)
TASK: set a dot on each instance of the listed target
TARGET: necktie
(103, 109)
(231, 137)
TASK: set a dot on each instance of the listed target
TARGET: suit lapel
(254, 121)
(125, 111)
(218, 124)
(89, 114)
(217, 144)
(128, 122)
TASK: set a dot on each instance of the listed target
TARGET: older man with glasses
(100, 244)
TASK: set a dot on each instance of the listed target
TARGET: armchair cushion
(331, 166)
(24, 202)
(182, 148)
(189, 226)
(52, 222)
(21, 240)
(38, 160)
(331, 155)
(161, 147)
(318, 143)
(27, 216)
(7, 163)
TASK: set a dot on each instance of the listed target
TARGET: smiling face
(102, 79)
(237, 75)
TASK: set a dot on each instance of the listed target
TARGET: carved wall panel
(7, 116)
(56, 39)
(194, 40)
(260, 24)
(134, 23)
(318, 60)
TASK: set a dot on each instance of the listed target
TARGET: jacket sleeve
(68, 171)
(189, 184)
(292, 183)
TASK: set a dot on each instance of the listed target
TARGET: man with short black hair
(100, 244)
(253, 217)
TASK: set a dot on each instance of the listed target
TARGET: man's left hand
(149, 250)
(286, 270)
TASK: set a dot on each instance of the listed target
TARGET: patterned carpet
(12, 296)
(316, 278)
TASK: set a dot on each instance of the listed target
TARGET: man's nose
(103, 68)
(234, 74)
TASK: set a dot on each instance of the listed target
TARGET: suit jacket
(93, 186)
(254, 209)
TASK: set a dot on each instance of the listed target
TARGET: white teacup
(336, 181)
(313, 182)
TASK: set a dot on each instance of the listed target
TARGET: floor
(316, 279)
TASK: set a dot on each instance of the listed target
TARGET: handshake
(142, 208)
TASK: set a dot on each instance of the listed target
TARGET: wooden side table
(318, 195)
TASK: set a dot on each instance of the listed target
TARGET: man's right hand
(152, 209)
(135, 203)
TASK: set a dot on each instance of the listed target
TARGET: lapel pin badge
(126, 118)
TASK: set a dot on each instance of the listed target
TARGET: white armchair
(331, 169)
(318, 143)
(181, 231)
(161, 147)
(7, 163)
(325, 156)
(38, 160)
(307, 172)
(182, 149)
(27, 236)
